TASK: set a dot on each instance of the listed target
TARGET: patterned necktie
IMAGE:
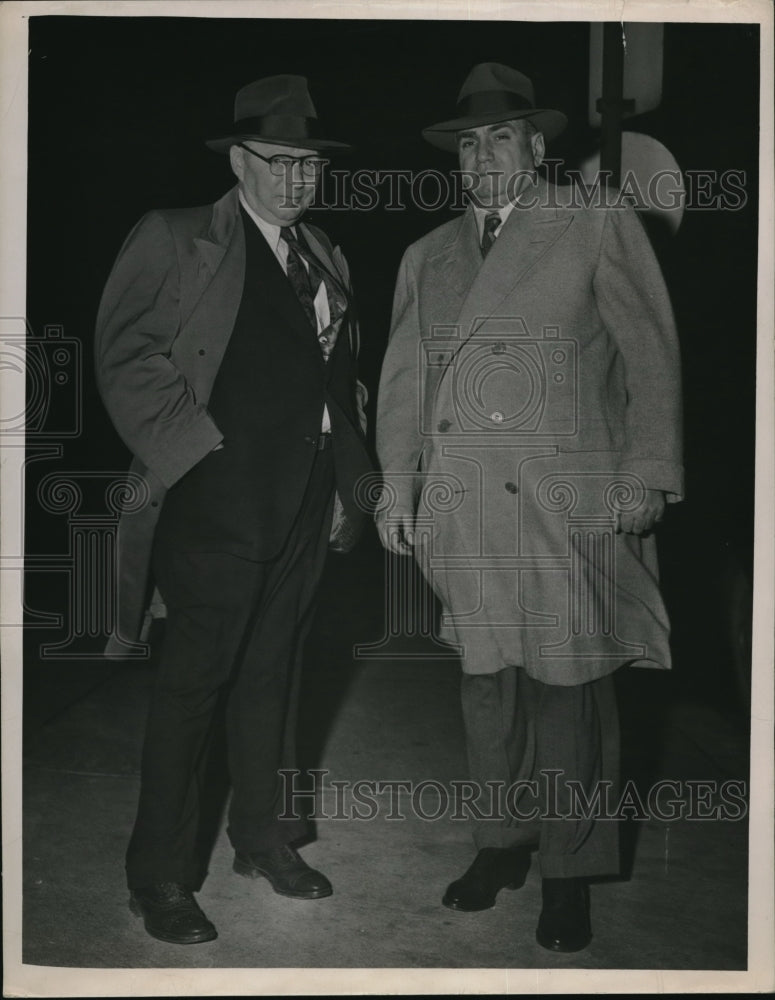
(491, 222)
(306, 283)
(303, 281)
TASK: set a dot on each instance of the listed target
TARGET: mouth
(295, 194)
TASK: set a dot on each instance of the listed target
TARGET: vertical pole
(612, 105)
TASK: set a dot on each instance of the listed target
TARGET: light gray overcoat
(522, 400)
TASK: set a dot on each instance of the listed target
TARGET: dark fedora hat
(494, 93)
(278, 110)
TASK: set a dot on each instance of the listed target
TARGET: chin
(486, 198)
(290, 215)
(292, 208)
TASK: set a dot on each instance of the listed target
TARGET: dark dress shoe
(285, 870)
(494, 868)
(564, 922)
(171, 914)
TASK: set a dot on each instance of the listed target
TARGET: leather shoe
(564, 922)
(171, 914)
(285, 870)
(494, 868)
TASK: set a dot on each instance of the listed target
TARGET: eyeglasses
(279, 164)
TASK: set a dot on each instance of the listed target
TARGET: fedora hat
(494, 93)
(278, 110)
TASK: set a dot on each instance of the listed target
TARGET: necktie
(306, 284)
(303, 282)
(491, 222)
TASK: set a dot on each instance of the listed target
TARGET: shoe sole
(249, 871)
(452, 905)
(199, 939)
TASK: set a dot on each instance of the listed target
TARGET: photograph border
(25, 980)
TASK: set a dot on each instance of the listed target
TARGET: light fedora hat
(277, 110)
(494, 93)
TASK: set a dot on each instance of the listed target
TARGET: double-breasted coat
(166, 316)
(524, 399)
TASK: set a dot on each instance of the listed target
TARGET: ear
(539, 148)
(237, 160)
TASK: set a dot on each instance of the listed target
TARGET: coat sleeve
(399, 438)
(150, 402)
(635, 306)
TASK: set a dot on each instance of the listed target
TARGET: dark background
(119, 108)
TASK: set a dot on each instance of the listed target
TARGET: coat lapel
(455, 267)
(320, 251)
(213, 280)
(213, 246)
(526, 236)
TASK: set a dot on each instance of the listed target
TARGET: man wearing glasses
(225, 355)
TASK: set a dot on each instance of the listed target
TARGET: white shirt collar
(481, 213)
(504, 212)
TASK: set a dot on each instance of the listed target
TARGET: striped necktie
(491, 222)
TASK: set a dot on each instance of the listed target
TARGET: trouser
(549, 749)
(234, 628)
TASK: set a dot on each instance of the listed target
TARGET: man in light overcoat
(529, 433)
(225, 355)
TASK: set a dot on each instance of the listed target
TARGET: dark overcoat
(165, 319)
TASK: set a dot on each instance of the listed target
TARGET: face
(279, 198)
(499, 160)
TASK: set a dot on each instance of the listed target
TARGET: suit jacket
(520, 398)
(163, 325)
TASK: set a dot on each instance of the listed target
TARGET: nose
(484, 151)
(295, 177)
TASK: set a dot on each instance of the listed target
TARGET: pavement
(681, 902)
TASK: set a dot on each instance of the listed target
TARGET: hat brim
(223, 144)
(443, 135)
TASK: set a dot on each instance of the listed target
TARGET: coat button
(154, 503)
(444, 426)
(512, 487)
(309, 440)
(497, 417)
(201, 351)
(499, 348)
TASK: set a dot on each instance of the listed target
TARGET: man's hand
(645, 516)
(397, 532)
